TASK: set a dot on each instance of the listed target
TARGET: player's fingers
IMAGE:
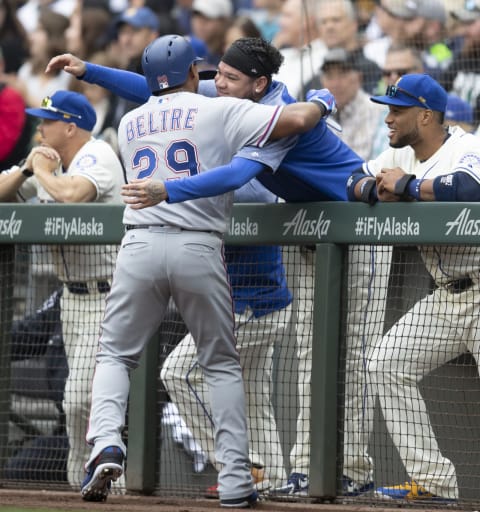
(47, 152)
(131, 199)
(130, 188)
(134, 194)
(57, 63)
(138, 205)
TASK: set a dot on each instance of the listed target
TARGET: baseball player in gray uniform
(425, 162)
(81, 169)
(176, 250)
(263, 311)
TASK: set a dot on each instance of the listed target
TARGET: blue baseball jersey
(313, 166)
(256, 273)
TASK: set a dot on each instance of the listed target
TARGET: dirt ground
(53, 500)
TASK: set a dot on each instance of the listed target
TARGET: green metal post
(7, 258)
(325, 346)
(143, 422)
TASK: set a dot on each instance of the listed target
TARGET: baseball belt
(81, 288)
(128, 227)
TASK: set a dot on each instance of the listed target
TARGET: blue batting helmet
(166, 62)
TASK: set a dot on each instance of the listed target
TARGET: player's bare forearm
(64, 189)
(144, 193)
(67, 62)
(9, 184)
(297, 118)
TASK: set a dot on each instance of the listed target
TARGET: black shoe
(107, 467)
(246, 502)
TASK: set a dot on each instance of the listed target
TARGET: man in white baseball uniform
(72, 167)
(425, 162)
(176, 250)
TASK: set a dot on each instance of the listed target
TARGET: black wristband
(368, 192)
(401, 185)
(25, 170)
(321, 106)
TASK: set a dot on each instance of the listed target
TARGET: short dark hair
(269, 58)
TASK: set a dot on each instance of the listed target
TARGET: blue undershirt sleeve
(458, 186)
(214, 182)
(125, 84)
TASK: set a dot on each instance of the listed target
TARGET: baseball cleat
(260, 482)
(104, 470)
(297, 485)
(410, 491)
(246, 502)
(352, 488)
(212, 492)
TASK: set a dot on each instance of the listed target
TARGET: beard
(409, 139)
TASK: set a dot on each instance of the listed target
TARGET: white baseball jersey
(160, 139)
(460, 153)
(97, 162)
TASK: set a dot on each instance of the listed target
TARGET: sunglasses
(393, 90)
(398, 72)
(47, 105)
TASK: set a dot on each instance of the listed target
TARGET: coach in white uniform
(425, 162)
(76, 168)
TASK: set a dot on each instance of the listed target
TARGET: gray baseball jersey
(161, 139)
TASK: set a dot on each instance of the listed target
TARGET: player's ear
(193, 71)
(260, 85)
(426, 116)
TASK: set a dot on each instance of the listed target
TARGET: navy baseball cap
(66, 106)
(139, 17)
(458, 110)
(415, 90)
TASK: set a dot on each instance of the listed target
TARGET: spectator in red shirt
(15, 129)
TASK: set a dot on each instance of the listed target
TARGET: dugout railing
(329, 229)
